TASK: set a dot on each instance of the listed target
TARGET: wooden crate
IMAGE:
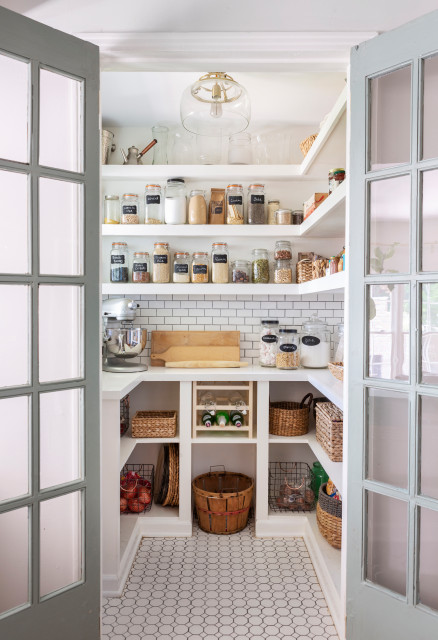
(222, 391)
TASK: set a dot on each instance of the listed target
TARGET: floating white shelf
(214, 439)
(127, 445)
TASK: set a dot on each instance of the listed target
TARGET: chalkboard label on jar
(129, 209)
(180, 268)
(220, 257)
(269, 339)
(160, 259)
(117, 259)
(219, 210)
(200, 269)
(288, 348)
(140, 266)
(310, 341)
(235, 200)
(153, 199)
(255, 199)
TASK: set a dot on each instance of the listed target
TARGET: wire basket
(124, 415)
(132, 492)
(289, 486)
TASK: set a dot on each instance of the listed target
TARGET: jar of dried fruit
(283, 250)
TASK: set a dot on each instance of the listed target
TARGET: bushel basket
(329, 517)
(290, 418)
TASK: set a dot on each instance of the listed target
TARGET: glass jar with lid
(339, 343)
(111, 210)
(130, 209)
(141, 271)
(256, 204)
(175, 202)
(268, 342)
(283, 250)
(288, 349)
(336, 178)
(153, 204)
(283, 272)
(297, 216)
(119, 262)
(273, 205)
(235, 209)
(239, 148)
(197, 207)
(200, 267)
(161, 263)
(315, 344)
(241, 271)
(260, 266)
(219, 263)
(181, 267)
(283, 216)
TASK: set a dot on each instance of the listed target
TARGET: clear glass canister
(161, 265)
(200, 267)
(175, 202)
(130, 209)
(219, 263)
(119, 262)
(283, 272)
(181, 267)
(197, 207)
(141, 270)
(111, 210)
(273, 205)
(239, 148)
(283, 216)
(339, 344)
(235, 209)
(288, 351)
(315, 344)
(268, 342)
(256, 204)
(153, 204)
(283, 250)
(241, 271)
(260, 266)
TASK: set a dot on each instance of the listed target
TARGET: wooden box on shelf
(222, 394)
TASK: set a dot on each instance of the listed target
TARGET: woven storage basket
(154, 424)
(329, 517)
(329, 428)
(290, 418)
(223, 500)
(304, 271)
(337, 370)
(319, 268)
(307, 143)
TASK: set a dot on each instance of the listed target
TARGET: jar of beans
(268, 342)
(140, 267)
(283, 250)
(241, 270)
(161, 265)
(119, 262)
(219, 263)
(273, 205)
(234, 198)
(130, 209)
(153, 204)
(181, 267)
(288, 351)
(260, 266)
(256, 204)
(200, 267)
(283, 272)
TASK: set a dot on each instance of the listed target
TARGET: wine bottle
(236, 418)
(222, 418)
(207, 418)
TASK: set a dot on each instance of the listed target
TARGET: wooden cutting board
(206, 364)
(178, 346)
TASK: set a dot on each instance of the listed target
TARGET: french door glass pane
(428, 560)
(429, 220)
(387, 541)
(14, 329)
(61, 220)
(61, 423)
(14, 109)
(388, 326)
(14, 447)
(389, 214)
(14, 559)
(390, 136)
(14, 222)
(388, 437)
(60, 333)
(430, 107)
(429, 333)
(60, 542)
(61, 122)
(429, 446)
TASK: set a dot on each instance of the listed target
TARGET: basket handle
(215, 466)
(303, 404)
(315, 400)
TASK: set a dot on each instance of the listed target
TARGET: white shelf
(158, 511)
(215, 439)
(328, 220)
(127, 445)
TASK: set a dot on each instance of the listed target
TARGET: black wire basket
(290, 486)
(146, 479)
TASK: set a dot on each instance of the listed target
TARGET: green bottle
(236, 418)
(319, 477)
(207, 419)
(222, 418)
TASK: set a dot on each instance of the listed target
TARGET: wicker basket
(337, 370)
(304, 271)
(307, 143)
(290, 418)
(319, 268)
(329, 517)
(329, 428)
(223, 500)
(154, 424)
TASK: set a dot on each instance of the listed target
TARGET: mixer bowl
(125, 343)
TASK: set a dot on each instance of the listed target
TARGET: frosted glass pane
(428, 570)
(388, 437)
(60, 542)
(388, 340)
(390, 209)
(60, 333)
(429, 446)
(429, 330)
(430, 220)
(61, 243)
(14, 223)
(14, 447)
(61, 128)
(14, 329)
(60, 437)
(430, 107)
(390, 131)
(387, 541)
(14, 559)
(14, 109)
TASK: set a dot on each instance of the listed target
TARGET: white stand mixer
(121, 340)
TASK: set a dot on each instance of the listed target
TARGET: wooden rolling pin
(206, 364)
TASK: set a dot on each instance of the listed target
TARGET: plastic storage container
(315, 344)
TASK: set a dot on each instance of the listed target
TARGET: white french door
(49, 323)
(392, 522)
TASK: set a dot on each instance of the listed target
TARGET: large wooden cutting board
(194, 345)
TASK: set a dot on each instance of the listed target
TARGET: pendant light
(215, 105)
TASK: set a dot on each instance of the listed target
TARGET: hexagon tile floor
(220, 588)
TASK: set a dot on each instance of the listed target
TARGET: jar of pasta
(235, 210)
(161, 268)
(181, 266)
(200, 267)
(219, 262)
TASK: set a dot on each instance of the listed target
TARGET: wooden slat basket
(304, 271)
(290, 418)
(154, 424)
(329, 517)
(329, 429)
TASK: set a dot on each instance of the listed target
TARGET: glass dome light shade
(215, 105)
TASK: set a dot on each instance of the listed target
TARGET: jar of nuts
(260, 266)
(283, 250)
(283, 272)
(130, 209)
(200, 267)
(161, 268)
(241, 270)
(288, 349)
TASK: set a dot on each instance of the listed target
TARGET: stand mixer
(121, 340)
